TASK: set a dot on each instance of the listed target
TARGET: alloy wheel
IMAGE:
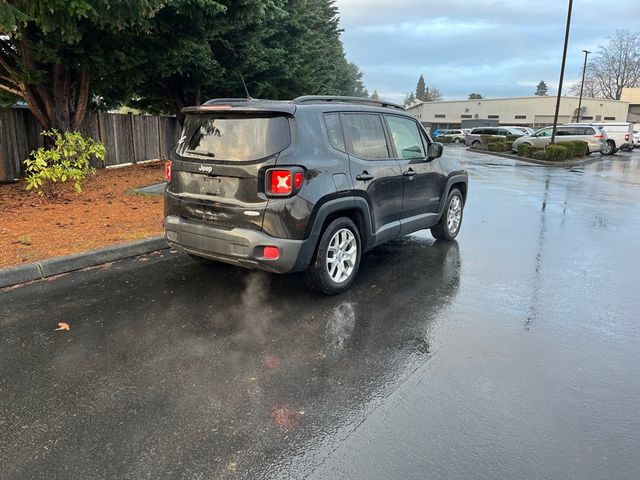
(342, 254)
(454, 215)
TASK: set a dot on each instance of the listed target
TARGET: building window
(520, 117)
(466, 110)
(609, 118)
(440, 115)
(466, 116)
(494, 116)
(582, 117)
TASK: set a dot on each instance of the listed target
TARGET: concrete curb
(545, 163)
(55, 266)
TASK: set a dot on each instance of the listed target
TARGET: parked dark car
(306, 185)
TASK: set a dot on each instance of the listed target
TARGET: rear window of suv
(235, 138)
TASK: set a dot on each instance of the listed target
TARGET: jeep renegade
(306, 185)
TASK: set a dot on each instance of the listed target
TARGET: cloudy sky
(495, 47)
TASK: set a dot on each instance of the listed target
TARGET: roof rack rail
(339, 99)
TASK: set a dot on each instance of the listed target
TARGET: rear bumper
(237, 246)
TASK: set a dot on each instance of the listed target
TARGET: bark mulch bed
(33, 228)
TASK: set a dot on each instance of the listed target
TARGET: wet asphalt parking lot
(513, 353)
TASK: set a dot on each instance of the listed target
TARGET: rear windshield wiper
(202, 153)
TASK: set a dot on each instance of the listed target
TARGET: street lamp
(564, 61)
(584, 70)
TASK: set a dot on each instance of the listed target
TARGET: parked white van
(619, 136)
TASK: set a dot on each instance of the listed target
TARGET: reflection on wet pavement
(511, 353)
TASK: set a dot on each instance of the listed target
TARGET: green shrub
(539, 154)
(535, 149)
(478, 146)
(521, 149)
(555, 153)
(485, 139)
(570, 148)
(509, 146)
(580, 148)
(68, 159)
(512, 138)
(500, 147)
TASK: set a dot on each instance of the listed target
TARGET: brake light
(599, 136)
(167, 171)
(272, 253)
(283, 182)
(626, 137)
(280, 183)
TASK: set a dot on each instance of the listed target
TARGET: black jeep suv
(306, 185)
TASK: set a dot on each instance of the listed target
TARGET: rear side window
(565, 131)
(365, 136)
(406, 137)
(334, 130)
(235, 138)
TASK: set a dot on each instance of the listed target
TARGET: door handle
(364, 176)
(410, 173)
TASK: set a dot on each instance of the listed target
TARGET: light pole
(564, 61)
(584, 70)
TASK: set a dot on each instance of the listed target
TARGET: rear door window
(235, 138)
(334, 130)
(406, 137)
(365, 136)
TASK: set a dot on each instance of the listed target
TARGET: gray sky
(498, 48)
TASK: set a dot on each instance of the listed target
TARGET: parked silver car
(594, 136)
(456, 134)
(474, 137)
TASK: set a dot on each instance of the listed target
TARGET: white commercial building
(525, 111)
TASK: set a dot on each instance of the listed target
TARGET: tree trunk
(59, 98)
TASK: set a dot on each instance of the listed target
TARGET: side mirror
(434, 150)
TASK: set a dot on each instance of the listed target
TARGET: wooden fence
(128, 138)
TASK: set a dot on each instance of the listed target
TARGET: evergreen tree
(475, 96)
(409, 99)
(374, 95)
(421, 90)
(541, 89)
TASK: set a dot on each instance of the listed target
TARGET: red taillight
(280, 183)
(283, 182)
(167, 171)
(626, 137)
(599, 136)
(272, 253)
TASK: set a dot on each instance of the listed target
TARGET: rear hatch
(218, 165)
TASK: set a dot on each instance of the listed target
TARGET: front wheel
(335, 264)
(449, 225)
(457, 140)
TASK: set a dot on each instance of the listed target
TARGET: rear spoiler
(241, 105)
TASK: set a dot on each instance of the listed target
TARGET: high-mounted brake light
(283, 182)
(215, 107)
(167, 170)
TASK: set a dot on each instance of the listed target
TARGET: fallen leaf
(63, 326)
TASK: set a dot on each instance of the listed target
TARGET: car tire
(476, 142)
(337, 242)
(610, 149)
(449, 225)
(457, 140)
